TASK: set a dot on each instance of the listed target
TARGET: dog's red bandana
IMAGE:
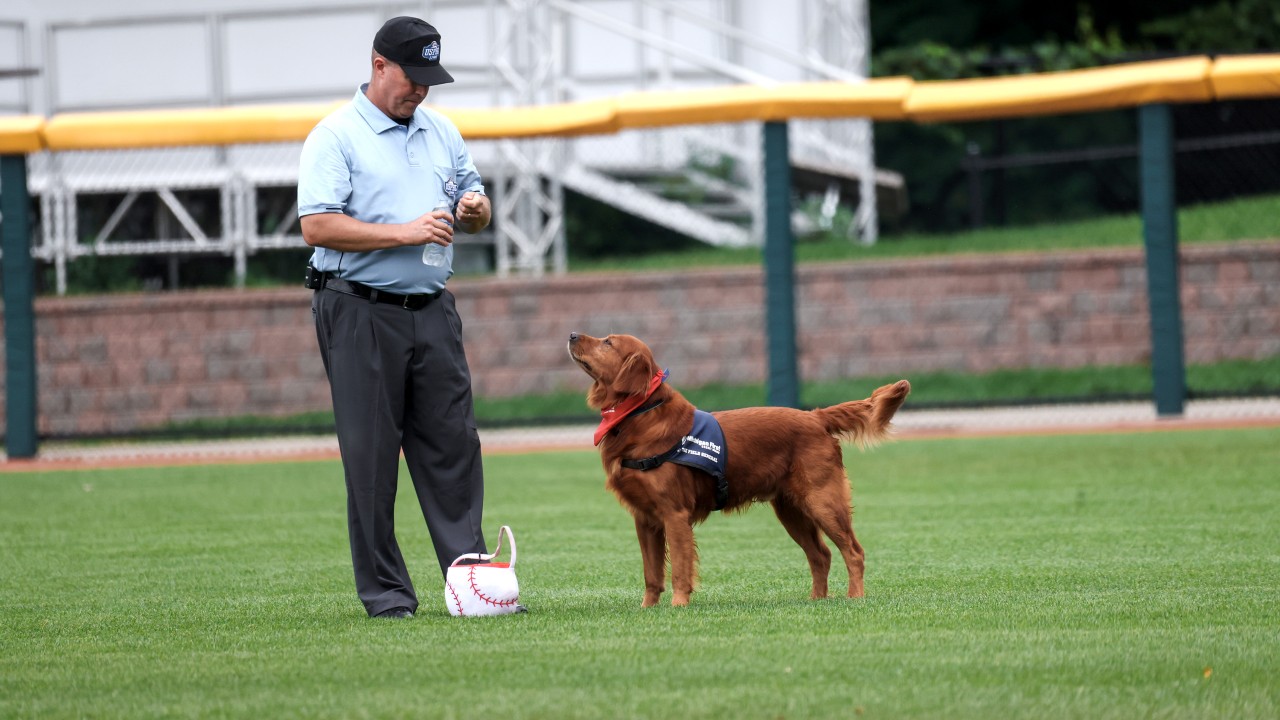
(610, 417)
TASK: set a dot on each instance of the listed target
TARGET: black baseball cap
(415, 46)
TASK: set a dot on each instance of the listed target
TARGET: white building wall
(93, 54)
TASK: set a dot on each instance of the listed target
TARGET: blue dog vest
(702, 449)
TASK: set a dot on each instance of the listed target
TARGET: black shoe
(396, 613)
(521, 609)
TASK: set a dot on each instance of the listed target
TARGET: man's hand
(474, 212)
(434, 227)
(336, 231)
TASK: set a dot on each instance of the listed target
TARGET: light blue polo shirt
(360, 162)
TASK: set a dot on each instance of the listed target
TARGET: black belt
(410, 302)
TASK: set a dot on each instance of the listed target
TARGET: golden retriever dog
(787, 457)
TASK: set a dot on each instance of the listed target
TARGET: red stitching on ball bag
(471, 578)
(457, 601)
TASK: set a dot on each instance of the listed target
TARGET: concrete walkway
(910, 424)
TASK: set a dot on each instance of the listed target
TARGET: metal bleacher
(234, 200)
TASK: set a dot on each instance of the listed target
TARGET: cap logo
(431, 51)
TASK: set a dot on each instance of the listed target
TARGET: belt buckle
(405, 304)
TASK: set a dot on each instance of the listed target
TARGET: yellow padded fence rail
(1181, 80)
(1106, 88)
(21, 135)
(169, 128)
(1246, 76)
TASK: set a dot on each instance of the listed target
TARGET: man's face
(403, 95)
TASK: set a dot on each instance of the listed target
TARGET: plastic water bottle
(433, 254)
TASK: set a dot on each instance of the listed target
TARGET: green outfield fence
(1147, 99)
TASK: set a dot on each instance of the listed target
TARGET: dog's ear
(633, 378)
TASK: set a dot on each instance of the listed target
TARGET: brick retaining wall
(121, 362)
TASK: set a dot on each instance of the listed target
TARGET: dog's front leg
(653, 549)
(684, 557)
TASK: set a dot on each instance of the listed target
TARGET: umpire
(390, 336)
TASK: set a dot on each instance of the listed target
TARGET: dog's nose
(573, 337)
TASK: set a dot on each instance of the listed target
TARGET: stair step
(725, 212)
(683, 190)
(655, 208)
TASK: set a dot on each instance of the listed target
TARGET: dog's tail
(865, 422)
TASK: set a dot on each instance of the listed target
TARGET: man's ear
(634, 377)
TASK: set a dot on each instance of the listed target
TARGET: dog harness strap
(650, 463)
(647, 407)
(702, 449)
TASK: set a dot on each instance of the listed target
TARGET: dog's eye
(608, 342)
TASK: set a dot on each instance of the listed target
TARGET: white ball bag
(484, 587)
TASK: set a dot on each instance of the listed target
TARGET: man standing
(390, 336)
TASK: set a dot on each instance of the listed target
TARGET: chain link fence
(236, 202)
(199, 216)
(1066, 168)
(182, 218)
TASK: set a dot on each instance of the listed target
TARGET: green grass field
(1090, 576)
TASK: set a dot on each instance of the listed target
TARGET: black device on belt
(317, 280)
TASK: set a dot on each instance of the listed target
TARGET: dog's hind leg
(809, 538)
(829, 509)
(684, 556)
(653, 550)
(854, 560)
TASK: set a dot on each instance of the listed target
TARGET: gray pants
(399, 379)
